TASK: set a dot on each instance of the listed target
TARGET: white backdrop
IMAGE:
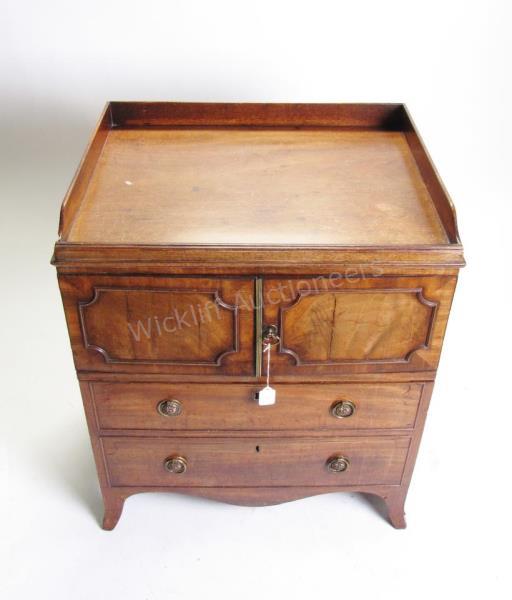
(60, 62)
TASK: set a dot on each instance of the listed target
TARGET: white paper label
(266, 396)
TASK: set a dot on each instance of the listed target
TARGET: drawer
(136, 461)
(335, 407)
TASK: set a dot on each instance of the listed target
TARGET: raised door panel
(173, 325)
(339, 325)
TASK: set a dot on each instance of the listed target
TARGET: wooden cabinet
(189, 232)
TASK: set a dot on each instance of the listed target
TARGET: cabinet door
(160, 324)
(342, 325)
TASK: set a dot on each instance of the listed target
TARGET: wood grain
(384, 116)
(257, 187)
(357, 325)
(160, 324)
(250, 462)
(233, 407)
(170, 325)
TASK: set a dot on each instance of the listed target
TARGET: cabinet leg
(114, 503)
(395, 502)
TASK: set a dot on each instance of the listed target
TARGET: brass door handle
(176, 464)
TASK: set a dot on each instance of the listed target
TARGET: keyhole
(257, 448)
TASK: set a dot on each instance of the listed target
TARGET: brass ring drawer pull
(343, 409)
(176, 464)
(170, 408)
(338, 464)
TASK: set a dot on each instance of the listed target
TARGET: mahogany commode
(192, 235)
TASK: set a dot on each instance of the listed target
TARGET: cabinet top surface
(278, 187)
(298, 178)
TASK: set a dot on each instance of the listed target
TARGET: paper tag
(266, 396)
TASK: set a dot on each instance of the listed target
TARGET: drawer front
(160, 324)
(254, 462)
(181, 407)
(335, 325)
